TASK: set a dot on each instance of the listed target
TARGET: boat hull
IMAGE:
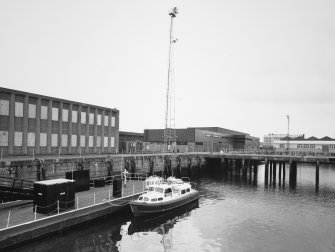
(142, 209)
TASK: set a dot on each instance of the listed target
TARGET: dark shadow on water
(161, 223)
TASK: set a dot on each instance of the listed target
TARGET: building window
(44, 112)
(31, 139)
(99, 120)
(31, 111)
(65, 115)
(74, 140)
(82, 141)
(54, 140)
(17, 138)
(106, 120)
(3, 138)
(4, 107)
(281, 145)
(91, 118)
(54, 112)
(113, 121)
(18, 109)
(312, 146)
(43, 139)
(64, 140)
(83, 117)
(90, 141)
(112, 142)
(105, 142)
(74, 116)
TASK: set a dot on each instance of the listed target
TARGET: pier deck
(23, 225)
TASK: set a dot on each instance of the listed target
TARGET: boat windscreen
(159, 190)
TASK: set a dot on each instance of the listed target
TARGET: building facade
(202, 139)
(130, 142)
(270, 139)
(311, 146)
(36, 124)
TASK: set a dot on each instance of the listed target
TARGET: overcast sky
(239, 64)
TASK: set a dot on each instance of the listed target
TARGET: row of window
(31, 140)
(306, 146)
(18, 112)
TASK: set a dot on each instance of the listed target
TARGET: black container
(81, 178)
(117, 188)
(100, 182)
(49, 193)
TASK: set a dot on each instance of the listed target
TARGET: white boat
(160, 198)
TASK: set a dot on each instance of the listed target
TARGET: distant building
(269, 139)
(130, 142)
(202, 139)
(36, 124)
(306, 146)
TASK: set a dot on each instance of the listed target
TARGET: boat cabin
(163, 192)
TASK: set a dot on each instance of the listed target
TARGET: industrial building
(199, 139)
(35, 124)
(130, 142)
(269, 139)
(306, 146)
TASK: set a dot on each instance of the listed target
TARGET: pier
(20, 223)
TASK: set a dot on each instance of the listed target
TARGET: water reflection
(162, 224)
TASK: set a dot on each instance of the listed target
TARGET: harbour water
(234, 213)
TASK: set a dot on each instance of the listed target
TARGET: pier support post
(271, 166)
(274, 172)
(279, 175)
(317, 176)
(266, 172)
(255, 164)
(284, 171)
(293, 175)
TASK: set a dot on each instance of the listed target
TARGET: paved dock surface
(20, 212)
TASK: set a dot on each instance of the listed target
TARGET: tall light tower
(169, 130)
(288, 134)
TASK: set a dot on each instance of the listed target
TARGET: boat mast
(169, 131)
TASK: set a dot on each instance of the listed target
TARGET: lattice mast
(169, 130)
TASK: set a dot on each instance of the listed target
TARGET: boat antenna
(169, 136)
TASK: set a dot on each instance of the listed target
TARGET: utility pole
(288, 134)
(169, 130)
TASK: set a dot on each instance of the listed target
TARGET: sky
(238, 64)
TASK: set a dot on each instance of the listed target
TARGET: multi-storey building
(36, 124)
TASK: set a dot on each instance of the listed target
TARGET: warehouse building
(311, 146)
(35, 124)
(202, 139)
